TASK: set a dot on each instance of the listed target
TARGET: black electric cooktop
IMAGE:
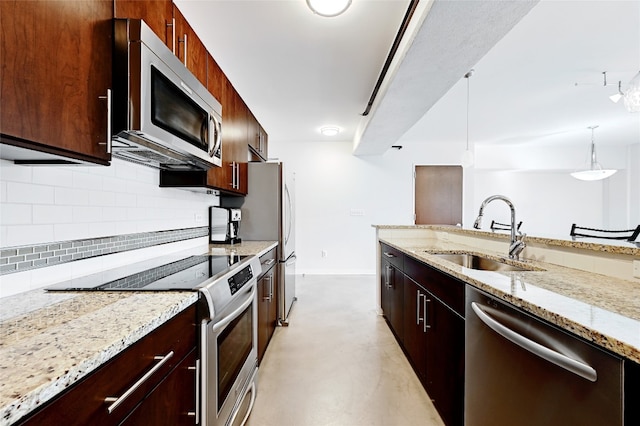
(166, 273)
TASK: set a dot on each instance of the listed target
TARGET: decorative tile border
(23, 258)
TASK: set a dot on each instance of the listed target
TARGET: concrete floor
(338, 363)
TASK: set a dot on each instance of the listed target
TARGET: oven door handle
(226, 320)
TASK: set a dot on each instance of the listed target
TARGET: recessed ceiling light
(330, 130)
(328, 8)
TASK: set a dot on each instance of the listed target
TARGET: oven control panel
(238, 280)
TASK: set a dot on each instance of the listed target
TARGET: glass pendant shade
(632, 95)
(595, 170)
(328, 8)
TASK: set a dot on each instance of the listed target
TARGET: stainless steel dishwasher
(522, 371)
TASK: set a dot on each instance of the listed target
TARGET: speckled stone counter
(599, 308)
(50, 340)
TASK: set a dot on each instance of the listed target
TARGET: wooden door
(189, 48)
(438, 195)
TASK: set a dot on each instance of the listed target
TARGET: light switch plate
(636, 268)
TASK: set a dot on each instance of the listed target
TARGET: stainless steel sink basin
(481, 263)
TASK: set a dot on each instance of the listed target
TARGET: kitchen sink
(481, 263)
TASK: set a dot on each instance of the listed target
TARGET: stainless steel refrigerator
(268, 214)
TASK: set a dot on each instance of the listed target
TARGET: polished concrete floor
(338, 364)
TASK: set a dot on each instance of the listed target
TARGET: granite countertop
(601, 309)
(50, 340)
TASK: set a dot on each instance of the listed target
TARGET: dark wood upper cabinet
(157, 14)
(56, 70)
(189, 48)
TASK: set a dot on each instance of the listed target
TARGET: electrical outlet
(324, 253)
(636, 268)
(198, 218)
(356, 212)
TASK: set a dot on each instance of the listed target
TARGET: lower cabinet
(425, 309)
(267, 301)
(151, 382)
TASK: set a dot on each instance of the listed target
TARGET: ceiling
(541, 83)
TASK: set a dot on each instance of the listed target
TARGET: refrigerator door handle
(291, 260)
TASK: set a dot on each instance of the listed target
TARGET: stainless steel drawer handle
(117, 401)
(389, 255)
(581, 369)
(269, 262)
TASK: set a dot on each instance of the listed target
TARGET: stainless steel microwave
(162, 116)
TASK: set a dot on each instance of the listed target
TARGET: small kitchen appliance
(224, 225)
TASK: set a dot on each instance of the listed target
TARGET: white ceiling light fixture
(328, 8)
(632, 95)
(330, 131)
(595, 170)
(467, 155)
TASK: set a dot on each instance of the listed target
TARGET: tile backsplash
(50, 215)
(63, 203)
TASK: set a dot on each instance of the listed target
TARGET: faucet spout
(517, 244)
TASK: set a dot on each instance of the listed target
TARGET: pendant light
(328, 8)
(632, 95)
(467, 155)
(595, 170)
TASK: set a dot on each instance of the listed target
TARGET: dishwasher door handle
(581, 369)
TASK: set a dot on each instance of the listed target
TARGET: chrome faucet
(517, 242)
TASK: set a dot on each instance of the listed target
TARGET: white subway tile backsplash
(102, 198)
(29, 193)
(70, 231)
(87, 181)
(15, 214)
(51, 214)
(10, 172)
(3, 192)
(84, 214)
(57, 176)
(18, 235)
(71, 197)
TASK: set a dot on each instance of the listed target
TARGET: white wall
(330, 182)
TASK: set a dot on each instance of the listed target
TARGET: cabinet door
(56, 70)
(445, 361)
(257, 137)
(173, 401)
(415, 326)
(267, 310)
(189, 48)
(393, 298)
(157, 14)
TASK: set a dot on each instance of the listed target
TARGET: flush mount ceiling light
(328, 8)
(595, 170)
(467, 155)
(330, 130)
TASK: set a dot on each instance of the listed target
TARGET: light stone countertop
(601, 309)
(50, 340)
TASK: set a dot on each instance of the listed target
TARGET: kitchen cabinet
(56, 74)
(160, 370)
(434, 335)
(157, 14)
(258, 139)
(391, 289)
(189, 48)
(267, 301)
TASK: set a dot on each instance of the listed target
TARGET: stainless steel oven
(229, 350)
(227, 284)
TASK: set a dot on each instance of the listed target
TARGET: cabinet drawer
(445, 287)
(392, 255)
(267, 261)
(154, 356)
